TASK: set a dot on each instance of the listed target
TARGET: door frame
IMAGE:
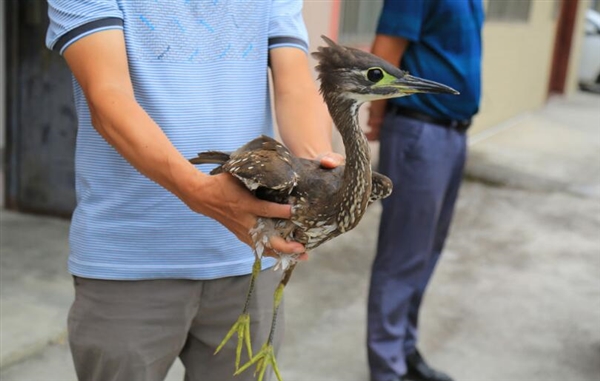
(562, 46)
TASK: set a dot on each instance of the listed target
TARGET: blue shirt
(445, 46)
(199, 69)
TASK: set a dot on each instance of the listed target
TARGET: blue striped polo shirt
(199, 69)
(445, 46)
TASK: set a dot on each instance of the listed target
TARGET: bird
(325, 202)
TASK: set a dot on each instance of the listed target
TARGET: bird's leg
(242, 325)
(266, 356)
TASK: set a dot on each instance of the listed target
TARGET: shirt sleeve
(402, 19)
(71, 20)
(286, 25)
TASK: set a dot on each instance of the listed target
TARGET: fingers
(234, 194)
(231, 204)
(272, 209)
(280, 245)
(270, 253)
(249, 208)
(288, 247)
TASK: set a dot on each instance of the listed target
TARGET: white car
(589, 65)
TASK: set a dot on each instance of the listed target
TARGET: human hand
(376, 115)
(374, 124)
(223, 198)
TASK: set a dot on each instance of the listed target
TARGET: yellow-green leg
(242, 325)
(266, 355)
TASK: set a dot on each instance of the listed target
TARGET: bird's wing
(261, 142)
(381, 187)
(258, 144)
(262, 168)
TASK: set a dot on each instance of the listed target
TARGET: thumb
(331, 160)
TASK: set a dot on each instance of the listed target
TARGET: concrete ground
(516, 296)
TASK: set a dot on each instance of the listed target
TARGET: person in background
(423, 150)
(160, 250)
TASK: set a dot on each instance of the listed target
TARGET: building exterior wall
(517, 61)
(320, 17)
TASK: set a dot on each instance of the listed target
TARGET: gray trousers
(134, 330)
(425, 162)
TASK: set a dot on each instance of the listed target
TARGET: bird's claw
(264, 358)
(242, 327)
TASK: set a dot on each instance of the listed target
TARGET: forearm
(129, 129)
(303, 121)
(302, 117)
(389, 48)
(99, 63)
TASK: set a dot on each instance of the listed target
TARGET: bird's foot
(242, 327)
(264, 358)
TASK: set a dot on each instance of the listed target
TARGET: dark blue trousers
(425, 162)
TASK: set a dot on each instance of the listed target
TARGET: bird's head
(362, 76)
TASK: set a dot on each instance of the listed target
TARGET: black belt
(458, 125)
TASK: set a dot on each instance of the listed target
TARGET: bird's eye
(375, 75)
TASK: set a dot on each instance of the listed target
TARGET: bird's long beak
(410, 85)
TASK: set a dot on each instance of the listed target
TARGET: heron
(325, 202)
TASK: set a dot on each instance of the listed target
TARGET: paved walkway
(516, 296)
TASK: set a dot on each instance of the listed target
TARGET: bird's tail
(210, 157)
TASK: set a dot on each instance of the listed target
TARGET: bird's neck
(356, 185)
